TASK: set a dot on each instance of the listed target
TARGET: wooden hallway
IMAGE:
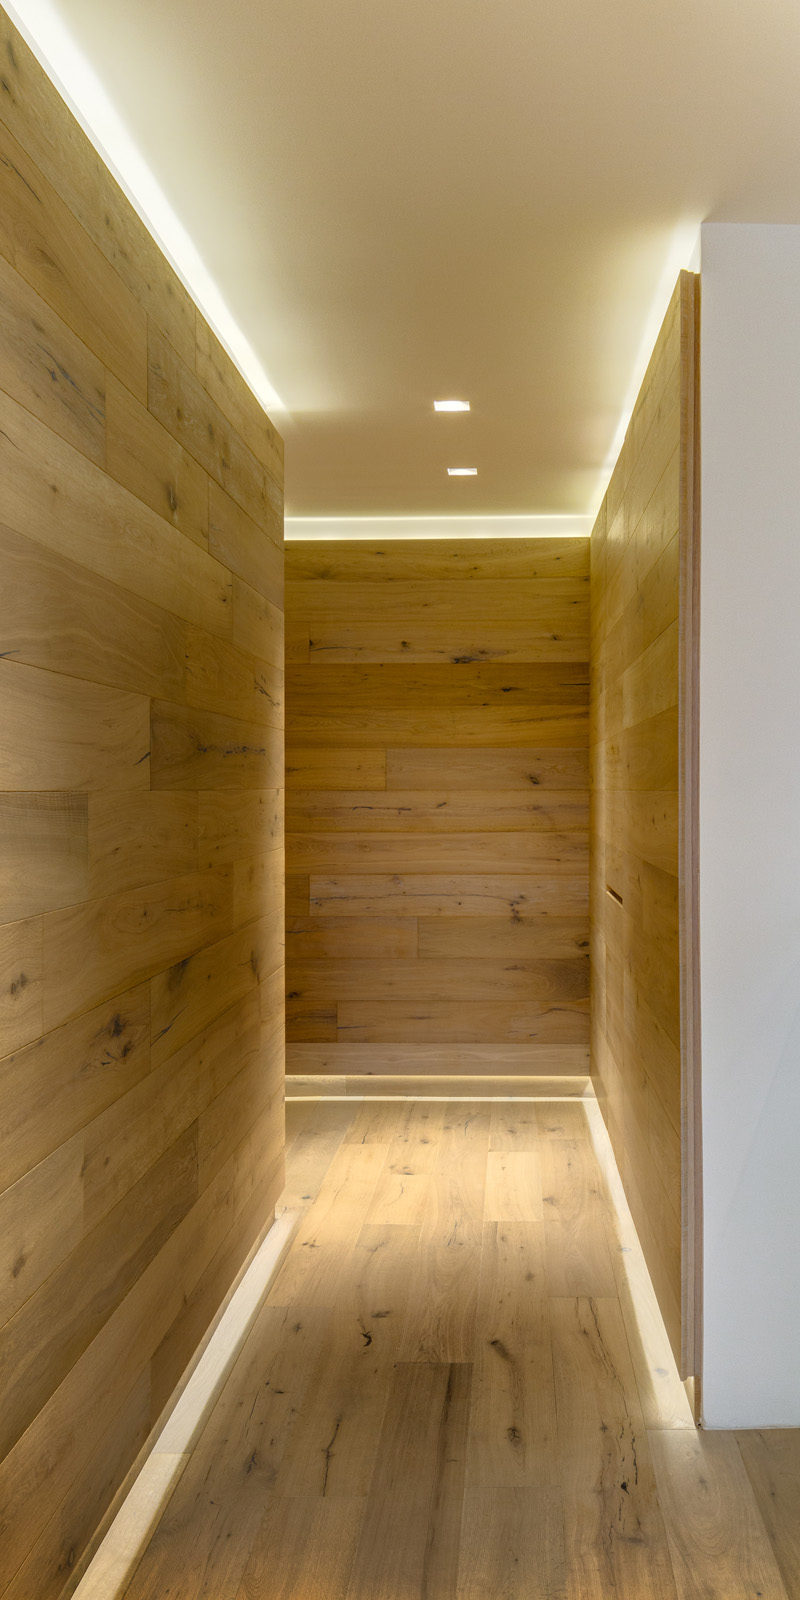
(458, 1385)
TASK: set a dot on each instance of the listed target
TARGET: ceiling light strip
(44, 29)
(682, 253)
(444, 527)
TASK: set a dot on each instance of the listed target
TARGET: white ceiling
(403, 200)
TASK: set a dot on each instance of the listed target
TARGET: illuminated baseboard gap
(113, 1563)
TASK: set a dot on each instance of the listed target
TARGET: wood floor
(457, 1385)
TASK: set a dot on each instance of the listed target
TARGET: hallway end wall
(437, 806)
(141, 816)
(642, 876)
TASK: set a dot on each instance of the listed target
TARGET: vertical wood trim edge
(689, 622)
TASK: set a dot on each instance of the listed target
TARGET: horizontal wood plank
(94, 949)
(139, 838)
(469, 684)
(468, 895)
(48, 248)
(224, 679)
(43, 852)
(437, 810)
(186, 997)
(549, 602)
(435, 560)
(21, 983)
(61, 733)
(402, 1066)
(178, 400)
(476, 769)
(144, 458)
(53, 494)
(545, 726)
(59, 615)
(235, 398)
(257, 624)
(434, 980)
(230, 822)
(333, 769)
(52, 1088)
(41, 1222)
(340, 853)
(125, 1139)
(468, 1021)
(48, 369)
(424, 641)
(376, 938)
(512, 937)
(244, 546)
(49, 1332)
(197, 749)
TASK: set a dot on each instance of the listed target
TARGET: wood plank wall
(437, 807)
(141, 759)
(642, 553)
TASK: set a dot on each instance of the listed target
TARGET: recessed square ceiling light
(451, 405)
(462, 472)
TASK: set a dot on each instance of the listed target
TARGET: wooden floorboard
(456, 1389)
(772, 1463)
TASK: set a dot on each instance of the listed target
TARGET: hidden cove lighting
(41, 24)
(462, 472)
(451, 405)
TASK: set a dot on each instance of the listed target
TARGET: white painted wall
(750, 822)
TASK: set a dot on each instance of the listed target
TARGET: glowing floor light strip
(116, 1558)
(76, 80)
(668, 1399)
